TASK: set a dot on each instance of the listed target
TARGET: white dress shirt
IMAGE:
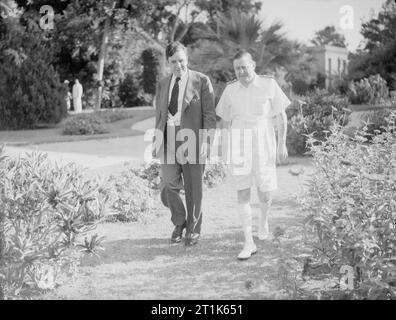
(253, 108)
(175, 119)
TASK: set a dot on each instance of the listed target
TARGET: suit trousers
(176, 176)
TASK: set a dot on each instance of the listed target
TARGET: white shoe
(247, 252)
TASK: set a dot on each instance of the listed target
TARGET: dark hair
(241, 53)
(172, 47)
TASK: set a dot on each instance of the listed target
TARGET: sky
(301, 18)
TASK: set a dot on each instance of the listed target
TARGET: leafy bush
(151, 60)
(315, 113)
(84, 124)
(45, 209)
(131, 92)
(31, 93)
(113, 115)
(133, 198)
(371, 90)
(350, 206)
(215, 174)
(376, 122)
(151, 173)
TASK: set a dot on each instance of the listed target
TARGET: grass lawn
(121, 128)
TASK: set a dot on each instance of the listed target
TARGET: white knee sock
(245, 214)
(263, 230)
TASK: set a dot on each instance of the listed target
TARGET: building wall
(339, 61)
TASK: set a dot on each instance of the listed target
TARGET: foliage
(375, 122)
(381, 60)
(151, 60)
(381, 29)
(379, 54)
(31, 93)
(131, 93)
(350, 208)
(329, 36)
(113, 115)
(150, 172)
(215, 173)
(371, 90)
(46, 208)
(314, 114)
(133, 197)
(82, 124)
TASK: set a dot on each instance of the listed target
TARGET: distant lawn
(119, 128)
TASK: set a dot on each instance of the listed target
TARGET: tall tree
(379, 54)
(245, 31)
(382, 29)
(329, 36)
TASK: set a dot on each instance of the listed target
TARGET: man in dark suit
(185, 106)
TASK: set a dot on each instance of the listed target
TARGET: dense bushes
(350, 206)
(133, 199)
(31, 93)
(314, 113)
(130, 92)
(371, 90)
(375, 122)
(45, 209)
(151, 60)
(84, 124)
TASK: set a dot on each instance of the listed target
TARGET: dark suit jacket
(198, 108)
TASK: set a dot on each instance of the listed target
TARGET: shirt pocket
(260, 105)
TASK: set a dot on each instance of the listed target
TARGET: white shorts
(263, 177)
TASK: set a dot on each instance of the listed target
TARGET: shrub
(133, 198)
(376, 122)
(315, 113)
(131, 93)
(350, 208)
(84, 124)
(215, 174)
(46, 208)
(31, 93)
(151, 60)
(113, 115)
(371, 90)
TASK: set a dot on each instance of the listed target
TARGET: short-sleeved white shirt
(253, 107)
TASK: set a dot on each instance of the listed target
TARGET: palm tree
(236, 31)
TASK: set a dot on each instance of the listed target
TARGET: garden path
(140, 263)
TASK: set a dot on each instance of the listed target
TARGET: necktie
(174, 98)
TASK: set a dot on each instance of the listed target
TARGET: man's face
(178, 63)
(244, 69)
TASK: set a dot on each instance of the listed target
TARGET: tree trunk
(101, 62)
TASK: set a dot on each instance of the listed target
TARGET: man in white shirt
(248, 107)
(184, 103)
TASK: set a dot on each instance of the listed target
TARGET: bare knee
(244, 196)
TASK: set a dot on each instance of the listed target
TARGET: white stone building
(331, 61)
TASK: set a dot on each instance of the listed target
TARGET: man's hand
(281, 153)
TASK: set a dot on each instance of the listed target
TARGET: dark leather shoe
(192, 239)
(177, 233)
